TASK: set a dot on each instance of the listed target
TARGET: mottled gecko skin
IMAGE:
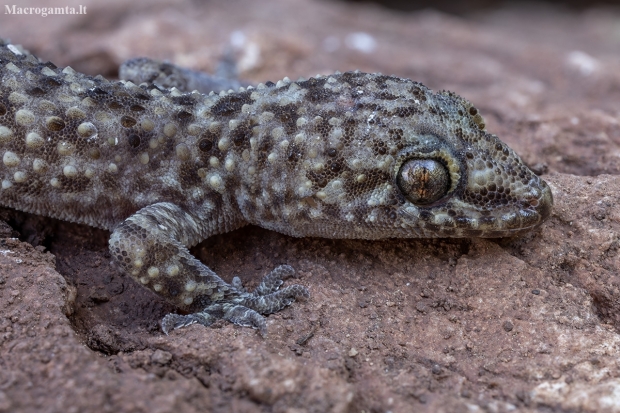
(350, 155)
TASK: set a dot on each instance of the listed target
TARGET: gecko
(347, 155)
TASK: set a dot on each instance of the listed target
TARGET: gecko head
(402, 161)
(466, 182)
(481, 188)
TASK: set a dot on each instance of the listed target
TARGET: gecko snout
(545, 201)
(537, 205)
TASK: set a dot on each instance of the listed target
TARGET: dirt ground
(524, 324)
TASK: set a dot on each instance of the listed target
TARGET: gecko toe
(175, 321)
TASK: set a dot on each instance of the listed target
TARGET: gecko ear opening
(424, 181)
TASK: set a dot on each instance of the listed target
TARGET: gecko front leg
(151, 246)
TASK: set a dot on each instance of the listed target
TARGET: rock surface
(528, 323)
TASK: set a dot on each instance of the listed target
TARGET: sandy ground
(528, 323)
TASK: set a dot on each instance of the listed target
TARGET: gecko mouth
(532, 213)
(527, 219)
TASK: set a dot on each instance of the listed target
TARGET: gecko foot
(267, 299)
(246, 309)
(270, 282)
(235, 313)
(174, 321)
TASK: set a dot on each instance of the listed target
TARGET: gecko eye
(423, 181)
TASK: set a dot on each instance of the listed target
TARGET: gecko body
(351, 155)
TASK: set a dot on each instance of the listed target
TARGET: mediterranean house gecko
(350, 155)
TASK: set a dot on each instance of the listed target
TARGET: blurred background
(467, 7)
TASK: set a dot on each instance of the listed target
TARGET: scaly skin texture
(350, 155)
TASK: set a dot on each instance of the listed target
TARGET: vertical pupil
(424, 181)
